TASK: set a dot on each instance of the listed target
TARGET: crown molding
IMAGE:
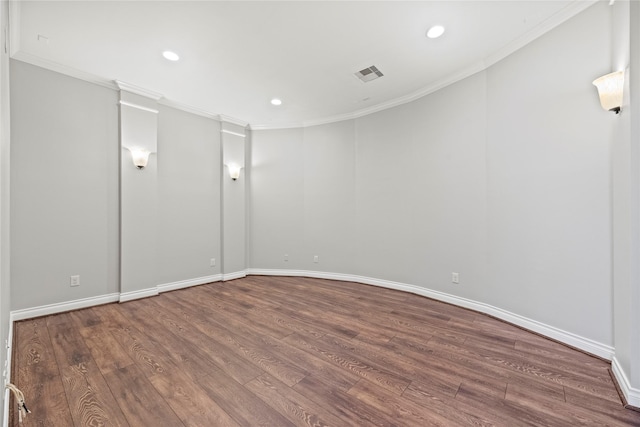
(233, 120)
(561, 16)
(230, 132)
(294, 125)
(128, 87)
(558, 18)
(544, 27)
(139, 107)
(63, 69)
(14, 27)
(442, 83)
(188, 109)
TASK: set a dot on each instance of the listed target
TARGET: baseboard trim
(234, 275)
(45, 310)
(181, 284)
(142, 293)
(7, 373)
(585, 344)
(631, 394)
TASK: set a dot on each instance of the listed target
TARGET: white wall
(626, 205)
(189, 196)
(64, 187)
(420, 190)
(503, 177)
(634, 295)
(5, 291)
(548, 178)
(329, 205)
(138, 196)
(277, 191)
(234, 199)
(65, 165)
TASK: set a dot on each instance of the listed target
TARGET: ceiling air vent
(369, 74)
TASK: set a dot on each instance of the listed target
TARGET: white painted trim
(7, 374)
(561, 16)
(235, 275)
(142, 293)
(139, 107)
(14, 27)
(233, 120)
(45, 310)
(62, 69)
(128, 87)
(188, 109)
(593, 347)
(631, 394)
(544, 27)
(188, 283)
(230, 132)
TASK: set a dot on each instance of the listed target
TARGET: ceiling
(235, 56)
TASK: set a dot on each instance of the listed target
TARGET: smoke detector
(368, 74)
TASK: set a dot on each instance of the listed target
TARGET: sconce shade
(140, 157)
(610, 88)
(234, 171)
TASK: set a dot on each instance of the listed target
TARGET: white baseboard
(142, 293)
(234, 275)
(631, 394)
(188, 283)
(7, 375)
(569, 338)
(45, 310)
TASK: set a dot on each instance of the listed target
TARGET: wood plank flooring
(275, 351)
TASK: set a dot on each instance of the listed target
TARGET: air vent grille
(368, 74)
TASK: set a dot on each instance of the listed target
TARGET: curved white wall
(503, 177)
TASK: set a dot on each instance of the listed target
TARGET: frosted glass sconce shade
(140, 157)
(610, 88)
(234, 171)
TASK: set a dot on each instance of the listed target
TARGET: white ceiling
(237, 55)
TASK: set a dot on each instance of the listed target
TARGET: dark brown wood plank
(295, 407)
(37, 375)
(343, 405)
(403, 411)
(90, 399)
(272, 351)
(175, 384)
(190, 402)
(139, 400)
(246, 349)
(351, 363)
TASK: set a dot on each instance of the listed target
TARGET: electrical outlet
(315, 258)
(286, 257)
(74, 281)
(212, 263)
(455, 278)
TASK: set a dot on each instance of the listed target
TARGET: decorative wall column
(233, 201)
(625, 151)
(138, 192)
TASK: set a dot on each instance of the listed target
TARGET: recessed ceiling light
(435, 31)
(171, 56)
(276, 101)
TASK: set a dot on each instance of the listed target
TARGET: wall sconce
(140, 157)
(234, 170)
(610, 88)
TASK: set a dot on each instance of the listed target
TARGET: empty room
(320, 213)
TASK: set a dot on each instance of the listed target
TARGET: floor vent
(369, 74)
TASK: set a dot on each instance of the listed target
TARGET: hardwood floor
(274, 351)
